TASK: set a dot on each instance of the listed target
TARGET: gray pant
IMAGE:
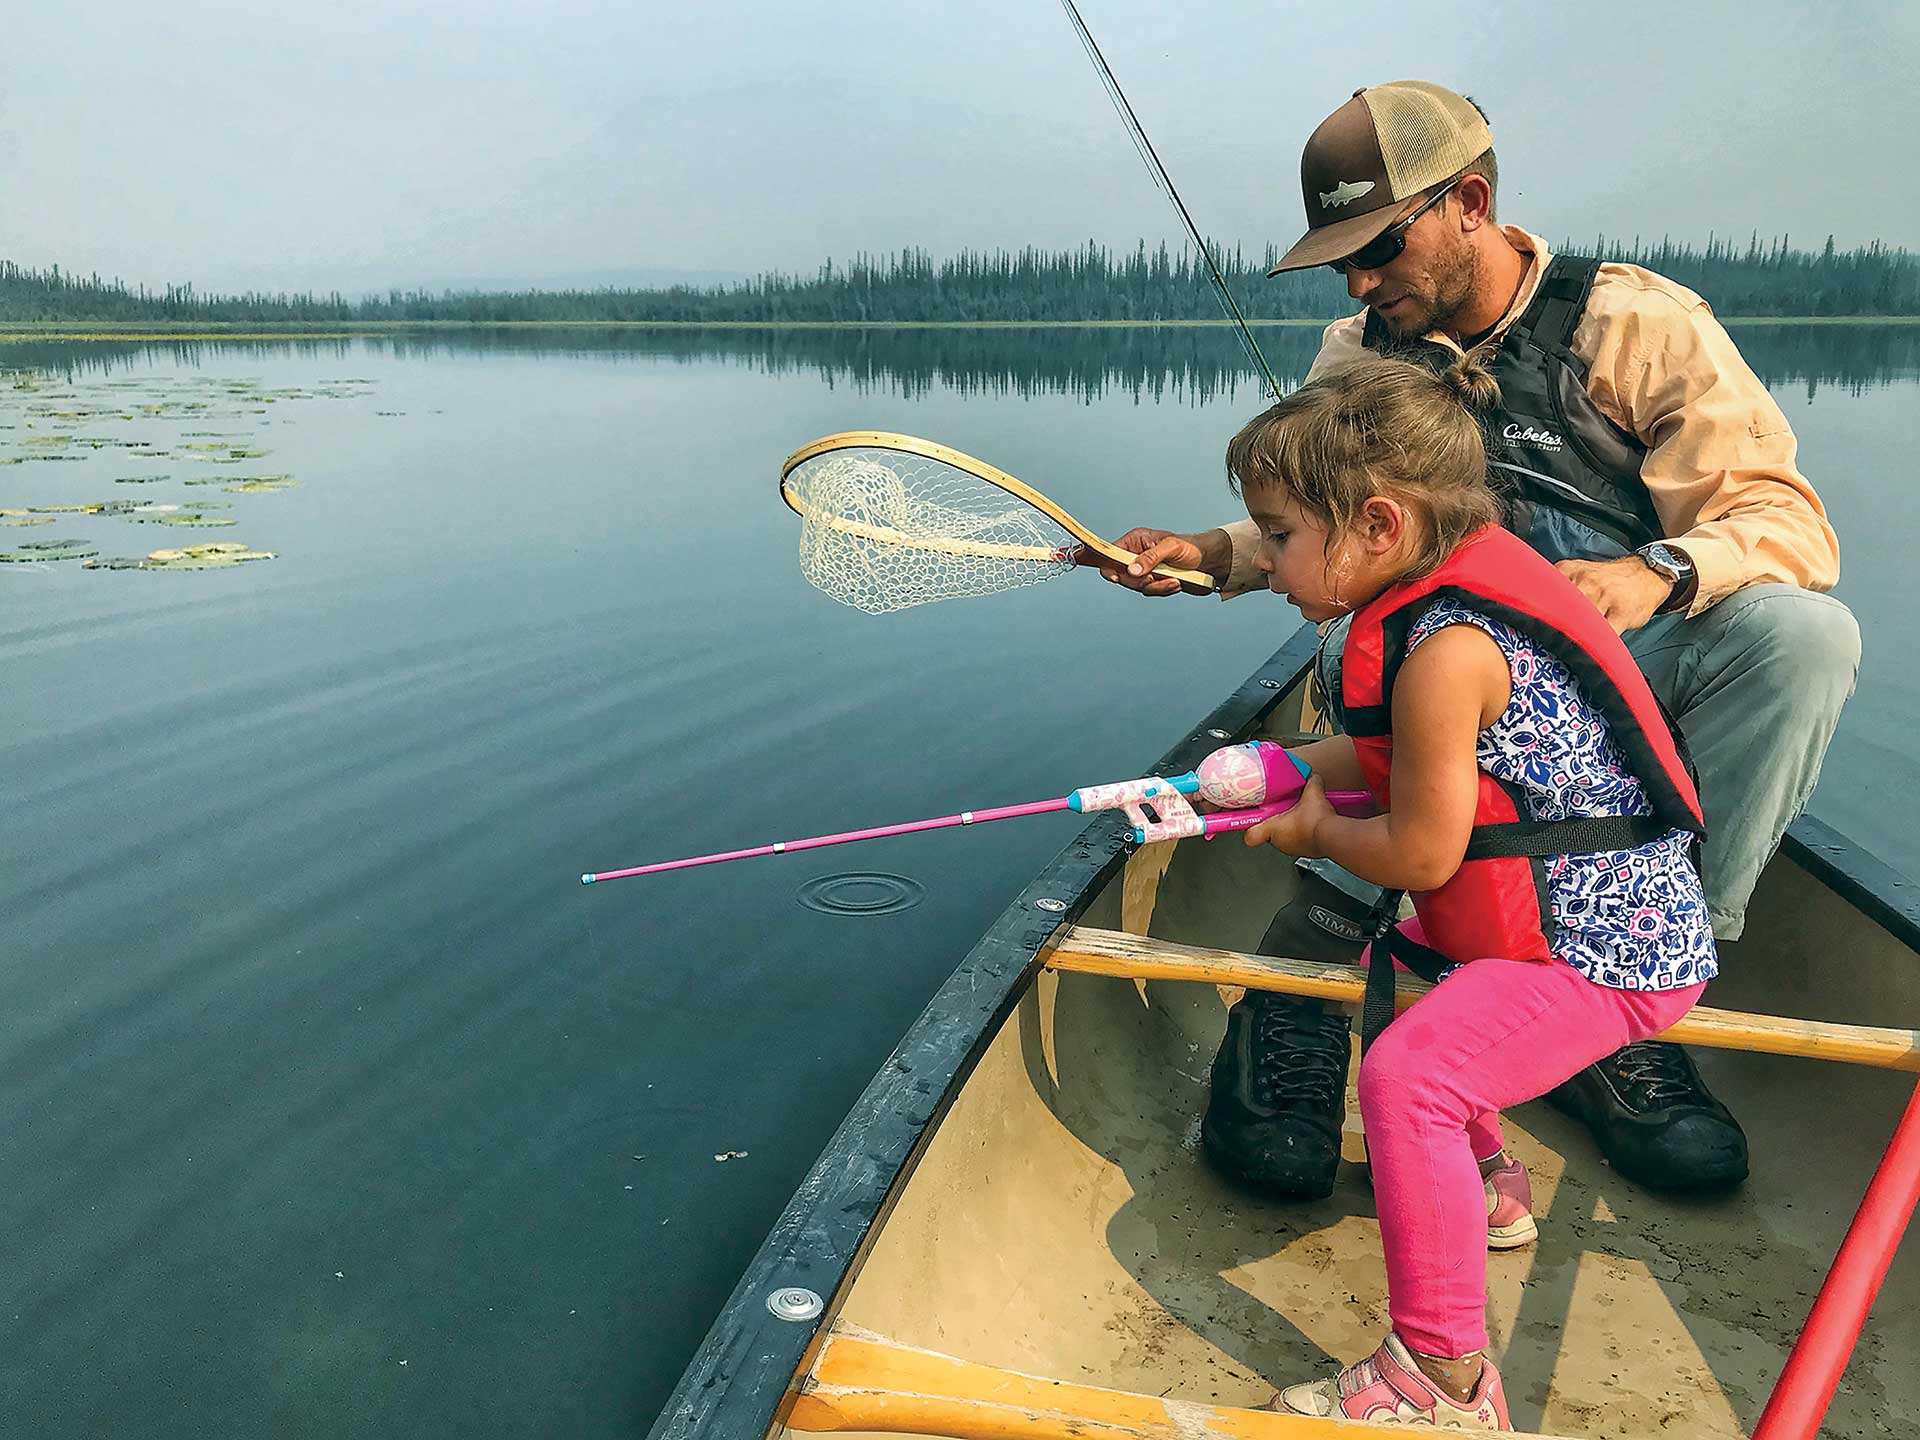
(1757, 684)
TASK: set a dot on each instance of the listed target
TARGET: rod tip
(586, 879)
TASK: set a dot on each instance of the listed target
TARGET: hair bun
(1472, 383)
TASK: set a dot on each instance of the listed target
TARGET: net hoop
(931, 450)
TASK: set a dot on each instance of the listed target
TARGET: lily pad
(205, 557)
(262, 486)
(222, 555)
(50, 550)
(26, 519)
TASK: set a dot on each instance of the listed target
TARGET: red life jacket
(1497, 903)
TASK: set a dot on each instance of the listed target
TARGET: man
(1636, 449)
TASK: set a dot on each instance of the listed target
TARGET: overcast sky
(357, 144)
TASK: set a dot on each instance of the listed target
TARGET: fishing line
(1159, 173)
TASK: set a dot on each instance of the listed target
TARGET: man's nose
(1362, 283)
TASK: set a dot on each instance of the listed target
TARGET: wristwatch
(1674, 566)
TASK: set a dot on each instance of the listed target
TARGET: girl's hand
(1293, 830)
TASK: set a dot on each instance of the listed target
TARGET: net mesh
(885, 529)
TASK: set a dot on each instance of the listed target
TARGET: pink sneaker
(1509, 1207)
(1389, 1388)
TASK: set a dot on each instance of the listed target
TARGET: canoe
(1014, 1233)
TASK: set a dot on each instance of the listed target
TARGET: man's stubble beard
(1456, 280)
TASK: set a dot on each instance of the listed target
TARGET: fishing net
(884, 529)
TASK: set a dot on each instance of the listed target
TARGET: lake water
(335, 1105)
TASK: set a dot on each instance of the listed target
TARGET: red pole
(1805, 1389)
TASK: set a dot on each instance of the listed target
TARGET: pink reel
(1237, 777)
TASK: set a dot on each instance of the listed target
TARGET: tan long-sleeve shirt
(1720, 464)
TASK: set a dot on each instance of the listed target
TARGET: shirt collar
(1537, 255)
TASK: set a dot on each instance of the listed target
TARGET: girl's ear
(1383, 524)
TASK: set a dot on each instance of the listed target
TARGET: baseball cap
(1384, 146)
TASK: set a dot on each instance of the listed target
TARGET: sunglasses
(1388, 245)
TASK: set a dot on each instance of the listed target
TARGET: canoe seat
(1136, 957)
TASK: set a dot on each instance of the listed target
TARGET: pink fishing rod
(1254, 782)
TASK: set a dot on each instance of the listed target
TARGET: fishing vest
(1568, 477)
(1498, 902)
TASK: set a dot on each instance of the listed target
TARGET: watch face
(1669, 562)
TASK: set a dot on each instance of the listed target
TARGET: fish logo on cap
(1345, 191)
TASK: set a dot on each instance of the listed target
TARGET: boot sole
(1278, 1185)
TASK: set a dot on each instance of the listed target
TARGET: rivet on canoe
(795, 1303)
(1221, 734)
(1048, 903)
(1271, 684)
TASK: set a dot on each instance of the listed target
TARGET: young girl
(1535, 802)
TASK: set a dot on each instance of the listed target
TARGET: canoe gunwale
(750, 1361)
(1857, 876)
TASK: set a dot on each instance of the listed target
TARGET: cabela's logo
(1516, 434)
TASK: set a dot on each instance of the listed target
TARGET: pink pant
(1492, 1034)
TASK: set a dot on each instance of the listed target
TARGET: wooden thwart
(863, 1382)
(1109, 952)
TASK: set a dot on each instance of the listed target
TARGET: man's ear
(1476, 201)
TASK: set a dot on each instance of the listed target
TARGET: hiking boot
(1389, 1388)
(1279, 1095)
(1510, 1221)
(1655, 1121)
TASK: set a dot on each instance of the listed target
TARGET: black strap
(1554, 312)
(1366, 722)
(1586, 835)
(1388, 945)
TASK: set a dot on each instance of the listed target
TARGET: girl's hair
(1379, 426)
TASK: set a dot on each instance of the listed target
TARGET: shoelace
(1656, 1074)
(1301, 1060)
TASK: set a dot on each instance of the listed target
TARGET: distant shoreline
(347, 329)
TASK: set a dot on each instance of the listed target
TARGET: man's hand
(1627, 591)
(1210, 552)
(1293, 830)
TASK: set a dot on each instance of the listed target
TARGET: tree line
(1196, 364)
(1030, 285)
